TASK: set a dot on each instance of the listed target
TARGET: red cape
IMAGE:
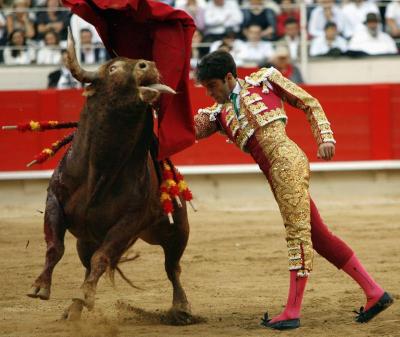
(147, 29)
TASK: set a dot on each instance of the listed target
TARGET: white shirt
(48, 55)
(90, 56)
(318, 20)
(293, 45)
(2, 24)
(237, 44)
(183, 3)
(320, 46)
(218, 18)
(254, 52)
(77, 24)
(393, 12)
(24, 57)
(66, 80)
(362, 40)
(355, 15)
(236, 90)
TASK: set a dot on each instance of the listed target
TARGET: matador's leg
(288, 175)
(287, 170)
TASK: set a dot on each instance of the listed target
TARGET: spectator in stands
(229, 43)
(18, 52)
(370, 40)
(19, 19)
(90, 53)
(50, 53)
(331, 44)
(289, 10)
(281, 61)
(197, 51)
(392, 17)
(254, 51)
(54, 18)
(62, 78)
(291, 38)
(195, 8)
(258, 14)
(326, 11)
(355, 13)
(77, 24)
(220, 16)
(38, 3)
(3, 30)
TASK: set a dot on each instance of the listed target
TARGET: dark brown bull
(105, 189)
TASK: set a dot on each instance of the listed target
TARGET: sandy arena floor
(234, 269)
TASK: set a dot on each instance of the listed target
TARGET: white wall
(320, 71)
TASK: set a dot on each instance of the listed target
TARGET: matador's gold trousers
(287, 169)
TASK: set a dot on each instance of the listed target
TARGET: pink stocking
(295, 297)
(357, 272)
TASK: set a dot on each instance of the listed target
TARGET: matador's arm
(205, 122)
(299, 98)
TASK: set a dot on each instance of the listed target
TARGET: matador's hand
(326, 151)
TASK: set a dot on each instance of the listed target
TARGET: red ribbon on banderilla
(36, 126)
(172, 187)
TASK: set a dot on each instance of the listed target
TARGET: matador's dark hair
(215, 65)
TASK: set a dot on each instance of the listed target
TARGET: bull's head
(121, 73)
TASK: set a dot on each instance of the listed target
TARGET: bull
(105, 190)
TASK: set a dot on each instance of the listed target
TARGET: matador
(251, 114)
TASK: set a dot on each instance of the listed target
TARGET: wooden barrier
(365, 120)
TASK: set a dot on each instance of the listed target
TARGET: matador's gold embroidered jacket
(261, 102)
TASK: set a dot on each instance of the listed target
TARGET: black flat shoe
(280, 325)
(366, 315)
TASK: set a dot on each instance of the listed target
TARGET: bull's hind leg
(54, 230)
(174, 243)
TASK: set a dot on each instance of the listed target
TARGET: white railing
(304, 45)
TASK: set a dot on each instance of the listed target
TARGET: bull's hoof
(87, 299)
(74, 311)
(180, 316)
(38, 292)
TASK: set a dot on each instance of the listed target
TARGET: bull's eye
(112, 68)
(142, 65)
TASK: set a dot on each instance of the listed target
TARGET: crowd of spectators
(35, 32)
(256, 32)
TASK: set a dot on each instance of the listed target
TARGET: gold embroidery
(304, 101)
(211, 111)
(234, 126)
(250, 99)
(258, 77)
(203, 126)
(229, 117)
(289, 173)
(270, 116)
(244, 136)
(257, 107)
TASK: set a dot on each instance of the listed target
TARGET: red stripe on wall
(365, 120)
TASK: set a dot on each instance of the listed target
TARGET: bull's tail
(111, 271)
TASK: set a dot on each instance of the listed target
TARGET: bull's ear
(148, 95)
(89, 91)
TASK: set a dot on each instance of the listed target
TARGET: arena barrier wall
(365, 120)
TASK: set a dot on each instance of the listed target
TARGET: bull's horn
(79, 73)
(162, 88)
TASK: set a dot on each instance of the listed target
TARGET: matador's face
(219, 90)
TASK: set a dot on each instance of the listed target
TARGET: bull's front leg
(54, 230)
(107, 255)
